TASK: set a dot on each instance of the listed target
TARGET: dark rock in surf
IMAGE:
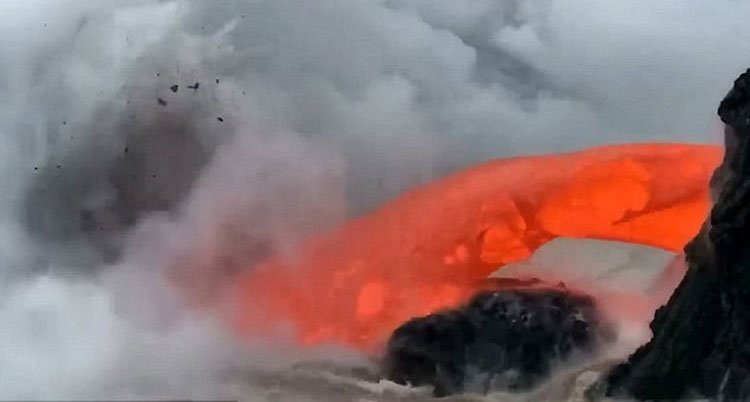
(501, 340)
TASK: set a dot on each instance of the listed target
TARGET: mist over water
(151, 143)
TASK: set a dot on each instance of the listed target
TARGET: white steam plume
(306, 113)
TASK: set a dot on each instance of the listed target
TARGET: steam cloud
(306, 113)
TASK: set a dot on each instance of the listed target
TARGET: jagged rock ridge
(701, 343)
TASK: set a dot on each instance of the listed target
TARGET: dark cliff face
(701, 343)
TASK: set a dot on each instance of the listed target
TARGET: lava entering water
(431, 247)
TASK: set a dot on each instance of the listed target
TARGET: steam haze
(115, 187)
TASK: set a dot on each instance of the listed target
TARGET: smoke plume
(152, 143)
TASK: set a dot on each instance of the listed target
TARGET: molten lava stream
(430, 248)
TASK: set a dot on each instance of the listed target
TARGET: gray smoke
(147, 143)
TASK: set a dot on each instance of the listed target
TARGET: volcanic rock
(701, 342)
(501, 340)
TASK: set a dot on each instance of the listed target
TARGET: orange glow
(430, 248)
(371, 300)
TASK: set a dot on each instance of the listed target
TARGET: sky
(288, 117)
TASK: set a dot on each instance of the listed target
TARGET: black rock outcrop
(701, 342)
(505, 339)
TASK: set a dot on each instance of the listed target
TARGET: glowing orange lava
(430, 248)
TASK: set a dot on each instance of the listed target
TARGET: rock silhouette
(507, 339)
(701, 343)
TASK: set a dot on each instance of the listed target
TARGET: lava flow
(430, 248)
